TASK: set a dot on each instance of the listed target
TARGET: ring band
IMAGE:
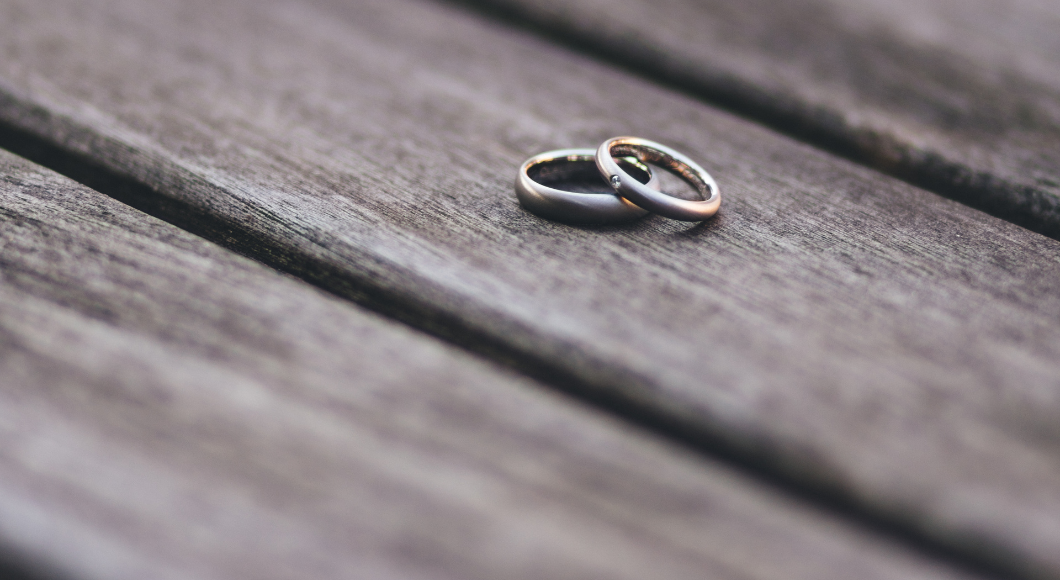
(652, 199)
(572, 207)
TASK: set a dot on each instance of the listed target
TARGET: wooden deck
(269, 307)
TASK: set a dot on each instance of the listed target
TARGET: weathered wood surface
(960, 96)
(171, 410)
(831, 327)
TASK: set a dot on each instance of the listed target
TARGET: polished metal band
(574, 207)
(652, 199)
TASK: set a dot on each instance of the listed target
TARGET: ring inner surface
(582, 175)
(667, 162)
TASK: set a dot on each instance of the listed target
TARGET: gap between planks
(172, 410)
(678, 45)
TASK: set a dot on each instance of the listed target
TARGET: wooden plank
(171, 410)
(839, 330)
(961, 97)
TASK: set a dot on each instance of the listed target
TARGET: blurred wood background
(269, 307)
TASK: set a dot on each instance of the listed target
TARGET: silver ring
(572, 207)
(652, 199)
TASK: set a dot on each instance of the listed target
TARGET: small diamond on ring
(615, 181)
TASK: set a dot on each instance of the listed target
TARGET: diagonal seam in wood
(1023, 205)
(376, 287)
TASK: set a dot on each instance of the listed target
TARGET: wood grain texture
(959, 96)
(171, 410)
(831, 327)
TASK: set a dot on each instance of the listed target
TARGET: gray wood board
(831, 327)
(959, 96)
(171, 410)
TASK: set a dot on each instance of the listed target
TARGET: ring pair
(623, 163)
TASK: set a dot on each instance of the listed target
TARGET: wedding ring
(652, 199)
(578, 165)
